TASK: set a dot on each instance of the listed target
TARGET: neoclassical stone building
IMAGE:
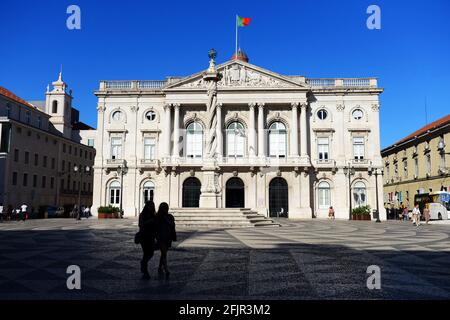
(237, 135)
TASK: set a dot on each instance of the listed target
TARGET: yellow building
(419, 163)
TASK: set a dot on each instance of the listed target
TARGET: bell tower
(58, 104)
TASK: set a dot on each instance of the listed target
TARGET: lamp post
(376, 174)
(349, 171)
(81, 171)
(121, 169)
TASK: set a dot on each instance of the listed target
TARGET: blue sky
(153, 39)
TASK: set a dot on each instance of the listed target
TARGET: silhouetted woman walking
(165, 234)
(147, 234)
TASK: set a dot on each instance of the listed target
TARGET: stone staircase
(220, 218)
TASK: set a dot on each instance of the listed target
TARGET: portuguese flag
(242, 22)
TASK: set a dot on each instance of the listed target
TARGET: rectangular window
(358, 148)
(416, 167)
(25, 179)
(64, 147)
(28, 117)
(45, 162)
(74, 185)
(323, 149)
(428, 158)
(387, 171)
(39, 122)
(16, 155)
(405, 168)
(62, 184)
(149, 148)
(91, 142)
(5, 137)
(14, 179)
(442, 165)
(53, 163)
(36, 159)
(63, 165)
(27, 157)
(34, 180)
(116, 148)
(44, 181)
(52, 182)
(70, 150)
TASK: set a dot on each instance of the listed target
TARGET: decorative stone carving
(235, 173)
(134, 108)
(101, 109)
(237, 75)
(340, 107)
(192, 173)
(375, 107)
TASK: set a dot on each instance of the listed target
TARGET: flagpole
(236, 35)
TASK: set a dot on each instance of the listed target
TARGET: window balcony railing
(115, 162)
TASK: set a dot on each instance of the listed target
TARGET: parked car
(54, 212)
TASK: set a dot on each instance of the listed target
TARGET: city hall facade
(237, 135)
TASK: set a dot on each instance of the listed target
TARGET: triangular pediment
(240, 75)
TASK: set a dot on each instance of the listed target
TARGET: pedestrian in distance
(416, 215)
(165, 234)
(426, 214)
(146, 235)
(331, 213)
(405, 213)
(2, 214)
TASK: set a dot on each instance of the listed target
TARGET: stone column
(303, 133)
(176, 131)
(294, 130)
(167, 129)
(219, 136)
(261, 133)
(251, 131)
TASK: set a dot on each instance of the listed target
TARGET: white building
(280, 143)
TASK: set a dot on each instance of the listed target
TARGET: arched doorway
(191, 193)
(148, 191)
(235, 193)
(278, 198)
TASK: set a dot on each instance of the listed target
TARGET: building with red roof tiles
(40, 144)
(418, 164)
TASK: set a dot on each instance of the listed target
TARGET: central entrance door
(235, 193)
(278, 198)
(191, 193)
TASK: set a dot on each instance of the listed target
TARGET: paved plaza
(315, 259)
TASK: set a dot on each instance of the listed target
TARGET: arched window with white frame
(324, 195)
(194, 140)
(114, 193)
(235, 140)
(359, 194)
(277, 140)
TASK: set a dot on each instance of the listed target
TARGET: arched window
(323, 194)
(114, 193)
(55, 106)
(148, 191)
(359, 194)
(235, 140)
(277, 140)
(191, 193)
(194, 140)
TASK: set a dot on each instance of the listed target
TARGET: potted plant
(361, 213)
(108, 212)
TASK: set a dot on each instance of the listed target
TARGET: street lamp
(81, 171)
(349, 171)
(121, 169)
(376, 174)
